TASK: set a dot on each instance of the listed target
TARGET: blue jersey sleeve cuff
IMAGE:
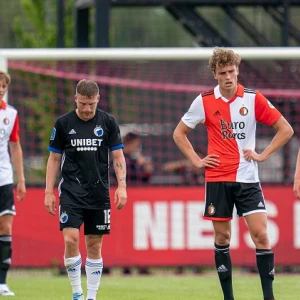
(54, 150)
(116, 147)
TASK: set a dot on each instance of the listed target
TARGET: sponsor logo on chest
(228, 127)
(234, 130)
(87, 144)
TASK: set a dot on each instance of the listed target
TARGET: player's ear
(237, 70)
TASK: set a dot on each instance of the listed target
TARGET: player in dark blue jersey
(80, 144)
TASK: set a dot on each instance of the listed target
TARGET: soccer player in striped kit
(230, 113)
(9, 139)
(80, 144)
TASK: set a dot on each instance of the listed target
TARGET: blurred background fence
(162, 221)
(147, 97)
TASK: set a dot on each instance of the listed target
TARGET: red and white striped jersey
(9, 131)
(231, 127)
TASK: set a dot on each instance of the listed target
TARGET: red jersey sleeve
(265, 112)
(14, 136)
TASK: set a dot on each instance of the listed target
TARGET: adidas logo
(217, 113)
(260, 204)
(222, 269)
(272, 273)
(7, 261)
(72, 270)
(72, 131)
(96, 273)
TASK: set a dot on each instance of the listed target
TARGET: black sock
(224, 268)
(265, 266)
(5, 256)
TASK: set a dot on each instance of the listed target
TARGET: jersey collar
(3, 105)
(239, 92)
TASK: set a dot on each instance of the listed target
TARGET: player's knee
(94, 250)
(71, 242)
(5, 228)
(260, 239)
(222, 238)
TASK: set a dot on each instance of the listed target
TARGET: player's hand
(210, 161)
(296, 188)
(252, 155)
(50, 203)
(120, 197)
(20, 191)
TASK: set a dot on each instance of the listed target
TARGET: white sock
(3, 286)
(93, 269)
(73, 267)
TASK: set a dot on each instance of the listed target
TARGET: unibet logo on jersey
(227, 127)
(86, 144)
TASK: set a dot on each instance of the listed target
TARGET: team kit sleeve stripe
(54, 150)
(116, 147)
(14, 136)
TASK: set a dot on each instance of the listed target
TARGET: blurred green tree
(36, 27)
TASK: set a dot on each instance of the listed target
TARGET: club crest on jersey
(6, 121)
(63, 218)
(98, 131)
(243, 111)
(211, 209)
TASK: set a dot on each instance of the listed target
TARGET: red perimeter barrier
(160, 226)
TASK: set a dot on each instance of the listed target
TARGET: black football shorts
(7, 205)
(96, 221)
(222, 197)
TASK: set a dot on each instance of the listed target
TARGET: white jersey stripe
(7, 121)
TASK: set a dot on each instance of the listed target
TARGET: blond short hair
(5, 76)
(223, 57)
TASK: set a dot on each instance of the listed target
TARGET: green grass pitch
(159, 287)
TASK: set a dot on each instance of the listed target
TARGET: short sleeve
(114, 138)
(265, 112)
(56, 143)
(14, 136)
(195, 114)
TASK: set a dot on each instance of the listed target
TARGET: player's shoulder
(250, 91)
(67, 116)
(207, 93)
(11, 108)
(105, 115)
(63, 120)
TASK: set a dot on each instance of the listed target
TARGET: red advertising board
(160, 226)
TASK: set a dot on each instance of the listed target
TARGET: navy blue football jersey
(85, 147)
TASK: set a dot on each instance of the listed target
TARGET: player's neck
(80, 116)
(228, 93)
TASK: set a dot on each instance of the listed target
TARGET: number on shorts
(107, 216)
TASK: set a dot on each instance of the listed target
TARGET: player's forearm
(280, 139)
(120, 171)
(17, 161)
(297, 171)
(52, 170)
(186, 147)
